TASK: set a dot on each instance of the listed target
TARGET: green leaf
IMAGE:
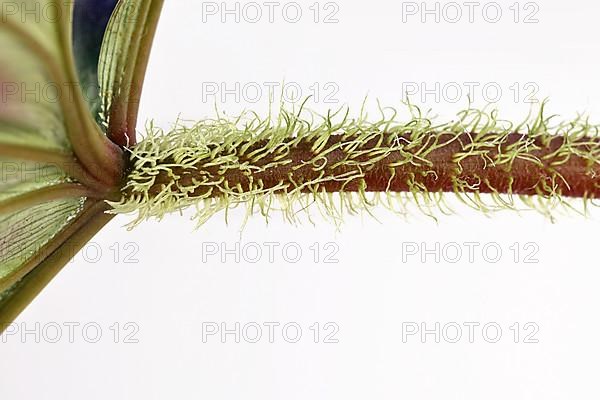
(38, 161)
(25, 232)
(50, 260)
(123, 61)
(42, 104)
(56, 164)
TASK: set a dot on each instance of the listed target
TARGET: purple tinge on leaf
(90, 19)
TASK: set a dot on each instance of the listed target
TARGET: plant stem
(513, 164)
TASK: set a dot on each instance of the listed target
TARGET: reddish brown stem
(538, 170)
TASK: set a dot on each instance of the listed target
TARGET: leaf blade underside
(57, 165)
(123, 61)
(90, 19)
(57, 253)
(48, 143)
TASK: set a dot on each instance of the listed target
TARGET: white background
(374, 289)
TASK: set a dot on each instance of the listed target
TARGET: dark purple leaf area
(90, 18)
